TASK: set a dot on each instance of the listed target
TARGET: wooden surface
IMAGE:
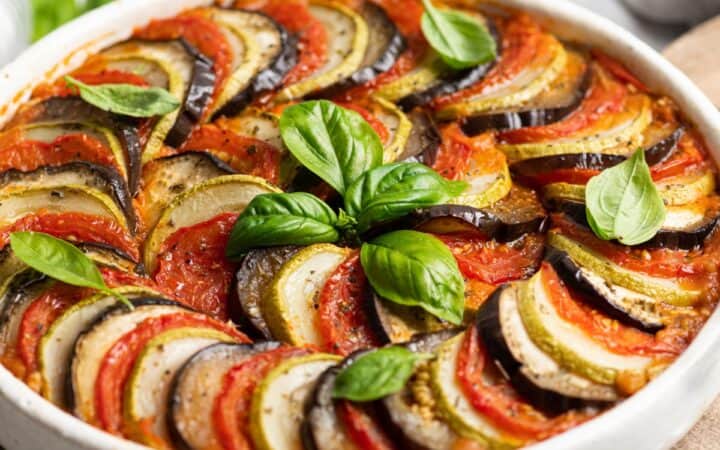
(696, 54)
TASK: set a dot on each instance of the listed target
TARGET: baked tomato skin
(361, 428)
(118, 362)
(342, 319)
(463, 158)
(618, 69)
(244, 154)
(499, 403)
(192, 266)
(232, 405)
(60, 88)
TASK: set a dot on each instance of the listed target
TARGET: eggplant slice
(536, 376)
(195, 388)
(394, 323)
(423, 144)
(19, 293)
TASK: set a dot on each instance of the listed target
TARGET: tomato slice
(295, 16)
(76, 227)
(245, 154)
(466, 158)
(618, 69)
(193, 266)
(494, 263)
(609, 333)
(118, 362)
(342, 319)
(61, 89)
(365, 432)
(494, 398)
(232, 405)
(17, 153)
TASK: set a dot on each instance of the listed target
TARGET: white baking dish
(653, 419)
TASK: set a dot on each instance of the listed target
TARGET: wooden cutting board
(695, 53)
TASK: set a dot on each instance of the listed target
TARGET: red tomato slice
(245, 154)
(618, 70)
(494, 263)
(232, 405)
(60, 88)
(17, 153)
(341, 319)
(192, 265)
(609, 333)
(295, 16)
(365, 432)
(118, 362)
(75, 227)
(499, 402)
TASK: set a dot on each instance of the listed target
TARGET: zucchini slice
(485, 189)
(398, 125)
(661, 289)
(258, 124)
(56, 347)
(93, 343)
(289, 307)
(226, 194)
(82, 174)
(195, 387)
(454, 406)
(545, 384)
(180, 69)
(421, 78)
(278, 403)
(347, 43)
(148, 388)
(567, 344)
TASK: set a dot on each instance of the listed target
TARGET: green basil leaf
(394, 190)
(127, 99)
(376, 375)
(282, 219)
(60, 260)
(461, 40)
(623, 203)
(415, 269)
(334, 143)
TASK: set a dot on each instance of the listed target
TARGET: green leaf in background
(377, 374)
(461, 40)
(60, 260)
(269, 220)
(415, 269)
(623, 203)
(50, 14)
(394, 190)
(127, 99)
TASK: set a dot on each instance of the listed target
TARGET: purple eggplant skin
(98, 246)
(490, 332)
(235, 352)
(269, 78)
(425, 140)
(392, 323)
(113, 184)
(656, 154)
(454, 81)
(197, 98)
(573, 277)
(669, 239)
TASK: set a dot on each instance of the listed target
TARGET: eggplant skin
(425, 140)
(197, 98)
(670, 239)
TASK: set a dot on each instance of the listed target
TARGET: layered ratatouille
(330, 184)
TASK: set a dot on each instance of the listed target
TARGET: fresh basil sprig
(127, 99)
(415, 269)
(460, 39)
(394, 190)
(283, 219)
(60, 260)
(623, 203)
(377, 374)
(334, 143)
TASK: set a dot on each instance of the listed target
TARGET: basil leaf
(60, 260)
(334, 143)
(623, 203)
(127, 99)
(282, 219)
(461, 40)
(378, 374)
(415, 269)
(394, 190)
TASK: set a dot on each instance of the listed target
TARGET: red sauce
(465, 158)
(361, 427)
(192, 265)
(61, 89)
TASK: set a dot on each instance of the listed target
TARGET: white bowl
(655, 418)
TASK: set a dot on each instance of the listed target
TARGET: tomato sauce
(192, 265)
(465, 158)
(60, 88)
(361, 428)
